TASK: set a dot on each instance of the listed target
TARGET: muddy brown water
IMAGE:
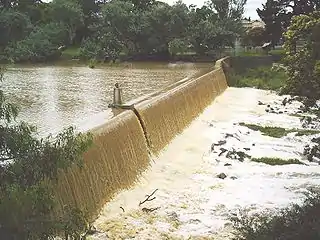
(54, 97)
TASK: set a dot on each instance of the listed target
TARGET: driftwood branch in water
(149, 199)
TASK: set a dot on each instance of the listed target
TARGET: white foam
(186, 174)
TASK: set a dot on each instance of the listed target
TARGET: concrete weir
(122, 146)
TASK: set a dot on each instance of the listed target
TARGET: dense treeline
(277, 15)
(32, 30)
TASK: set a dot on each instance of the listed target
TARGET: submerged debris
(223, 150)
(220, 143)
(238, 155)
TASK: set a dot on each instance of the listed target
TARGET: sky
(251, 6)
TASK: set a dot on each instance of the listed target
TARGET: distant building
(248, 24)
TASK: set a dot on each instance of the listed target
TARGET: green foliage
(216, 25)
(90, 49)
(302, 63)
(306, 132)
(277, 15)
(254, 37)
(42, 44)
(278, 132)
(104, 29)
(68, 13)
(293, 223)
(276, 161)
(29, 167)
(262, 78)
(14, 26)
(71, 53)
(177, 46)
(275, 132)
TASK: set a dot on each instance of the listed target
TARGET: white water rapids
(192, 202)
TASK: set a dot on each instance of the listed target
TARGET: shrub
(301, 61)
(177, 46)
(293, 223)
(28, 169)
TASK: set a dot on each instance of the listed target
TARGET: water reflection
(53, 97)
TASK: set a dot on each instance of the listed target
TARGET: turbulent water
(53, 97)
(191, 202)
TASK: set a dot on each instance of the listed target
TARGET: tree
(40, 45)
(277, 15)
(303, 64)
(70, 14)
(177, 46)
(14, 26)
(216, 25)
(27, 166)
(254, 37)
(166, 23)
(90, 9)
(230, 9)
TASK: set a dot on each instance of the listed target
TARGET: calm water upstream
(53, 97)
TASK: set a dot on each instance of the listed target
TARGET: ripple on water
(53, 97)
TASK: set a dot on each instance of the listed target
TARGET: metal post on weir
(117, 95)
(117, 99)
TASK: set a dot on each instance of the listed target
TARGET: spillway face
(119, 154)
(168, 114)
(114, 162)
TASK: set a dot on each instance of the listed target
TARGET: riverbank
(206, 174)
(71, 56)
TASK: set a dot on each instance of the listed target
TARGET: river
(54, 97)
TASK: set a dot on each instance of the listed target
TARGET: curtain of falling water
(120, 152)
(167, 115)
(119, 155)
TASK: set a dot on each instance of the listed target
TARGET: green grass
(278, 132)
(296, 115)
(275, 132)
(260, 52)
(276, 161)
(71, 52)
(277, 52)
(251, 53)
(307, 132)
(262, 78)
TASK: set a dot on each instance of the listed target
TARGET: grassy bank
(278, 132)
(70, 53)
(262, 78)
(276, 161)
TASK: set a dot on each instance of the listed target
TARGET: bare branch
(149, 199)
